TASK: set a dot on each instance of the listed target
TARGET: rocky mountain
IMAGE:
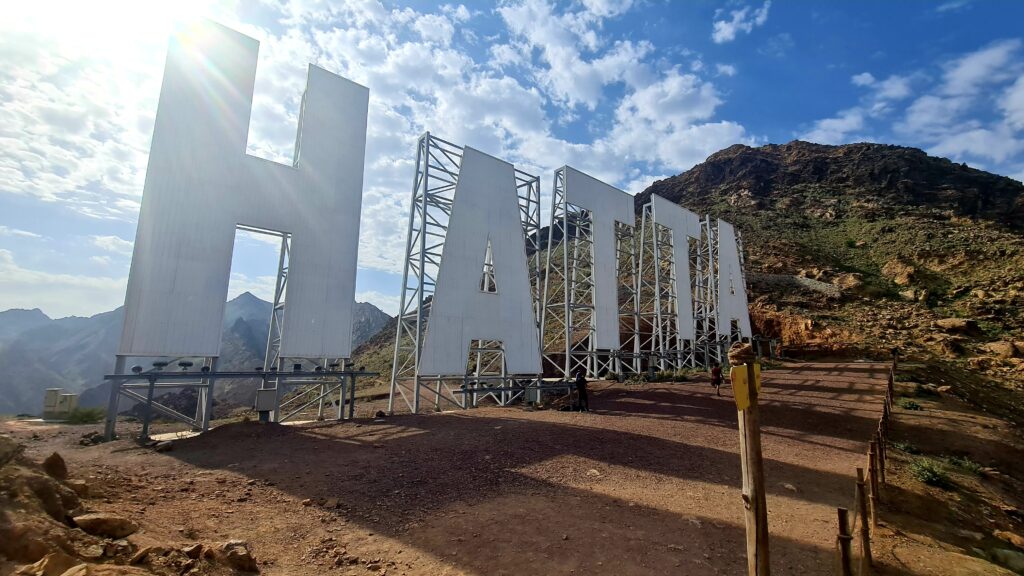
(74, 353)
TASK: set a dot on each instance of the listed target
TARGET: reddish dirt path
(647, 484)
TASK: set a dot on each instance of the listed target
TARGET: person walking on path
(716, 378)
(581, 391)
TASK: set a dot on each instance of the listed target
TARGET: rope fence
(867, 497)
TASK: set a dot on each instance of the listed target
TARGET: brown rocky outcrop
(106, 524)
(958, 325)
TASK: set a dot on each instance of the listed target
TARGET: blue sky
(629, 91)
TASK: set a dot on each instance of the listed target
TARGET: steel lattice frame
(437, 172)
(704, 264)
(568, 327)
(658, 314)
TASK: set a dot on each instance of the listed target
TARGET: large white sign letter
(606, 205)
(200, 184)
(732, 293)
(684, 225)
(485, 211)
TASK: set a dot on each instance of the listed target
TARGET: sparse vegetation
(966, 464)
(930, 472)
(85, 416)
(908, 404)
(903, 377)
(922, 390)
(905, 447)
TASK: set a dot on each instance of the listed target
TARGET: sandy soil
(648, 483)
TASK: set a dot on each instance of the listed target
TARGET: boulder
(23, 542)
(106, 570)
(899, 272)
(56, 499)
(9, 450)
(958, 325)
(79, 487)
(1011, 537)
(54, 466)
(1001, 349)
(53, 564)
(236, 554)
(1012, 559)
(106, 524)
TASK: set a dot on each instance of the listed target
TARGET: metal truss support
(437, 172)
(127, 385)
(146, 383)
(658, 315)
(704, 264)
(568, 321)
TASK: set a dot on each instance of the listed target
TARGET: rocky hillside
(37, 352)
(859, 248)
(865, 246)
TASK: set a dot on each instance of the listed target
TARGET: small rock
(190, 564)
(141, 555)
(958, 325)
(53, 564)
(789, 487)
(593, 472)
(94, 552)
(236, 554)
(164, 446)
(565, 536)
(54, 466)
(331, 503)
(193, 550)
(106, 524)
(1011, 537)
(79, 487)
(307, 502)
(944, 389)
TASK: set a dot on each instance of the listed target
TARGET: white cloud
(389, 303)
(57, 294)
(260, 286)
(952, 5)
(836, 130)
(998, 145)
(725, 69)
(113, 244)
(863, 79)
(7, 231)
(994, 63)
(742, 20)
(1012, 104)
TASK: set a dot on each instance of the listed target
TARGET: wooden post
(873, 479)
(865, 530)
(754, 503)
(845, 561)
(880, 440)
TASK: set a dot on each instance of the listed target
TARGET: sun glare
(105, 28)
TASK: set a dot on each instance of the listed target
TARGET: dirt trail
(647, 484)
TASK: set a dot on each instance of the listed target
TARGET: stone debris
(106, 524)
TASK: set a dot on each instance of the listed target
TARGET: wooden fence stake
(754, 502)
(865, 530)
(873, 479)
(845, 561)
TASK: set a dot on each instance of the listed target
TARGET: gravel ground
(647, 483)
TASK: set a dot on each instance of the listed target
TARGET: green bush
(929, 472)
(966, 464)
(680, 376)
(85, 416)
(909, 404)
(900, 377)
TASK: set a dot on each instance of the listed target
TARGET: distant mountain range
(38, 352)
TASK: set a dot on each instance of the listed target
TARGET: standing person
(716, 377)
(581, 391)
